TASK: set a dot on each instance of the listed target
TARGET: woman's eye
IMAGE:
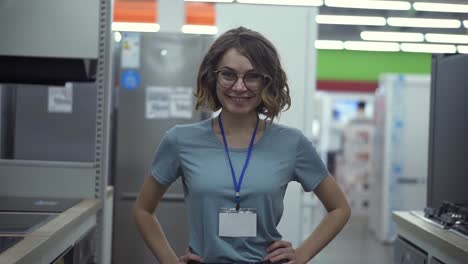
(253, 77)
(229, 74)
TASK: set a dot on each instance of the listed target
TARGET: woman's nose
(239, 84)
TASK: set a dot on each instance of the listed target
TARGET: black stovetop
(35, 204)
(7, 242)
(450, 215)
(23, 223)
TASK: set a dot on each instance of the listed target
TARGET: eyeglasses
(252, 80)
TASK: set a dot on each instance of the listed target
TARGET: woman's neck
(238, 123)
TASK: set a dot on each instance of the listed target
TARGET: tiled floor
(355, 245)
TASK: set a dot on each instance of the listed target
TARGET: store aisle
(355, 245)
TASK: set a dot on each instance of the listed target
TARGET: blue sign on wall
(130, 79)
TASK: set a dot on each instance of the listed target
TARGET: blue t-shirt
(282, 155)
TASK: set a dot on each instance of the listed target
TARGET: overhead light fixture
(283, 2)
(428, 48)
(465, 23)
(350, 20)
(423, 22)
(211, 1)
(329, 44)
(135, 27)
(392, 36)
(447, 38)
(199, 29)
(440, 7)
(462, 49)
(370, 4)
(371, 46)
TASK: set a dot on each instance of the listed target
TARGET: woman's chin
(239, 109)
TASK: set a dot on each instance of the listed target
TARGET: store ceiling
(352, 32)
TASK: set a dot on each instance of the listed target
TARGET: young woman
(236, 167)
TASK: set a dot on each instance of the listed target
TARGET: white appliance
(400, 150)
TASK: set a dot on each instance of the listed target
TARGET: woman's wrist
(169, 259)
(301, 256)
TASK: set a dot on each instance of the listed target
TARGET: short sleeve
(309, 169)
(166, 164)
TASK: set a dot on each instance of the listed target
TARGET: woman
(236, 167)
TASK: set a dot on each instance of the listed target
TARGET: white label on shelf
(60, 99)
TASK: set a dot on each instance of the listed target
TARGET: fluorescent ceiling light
(284, 2)
(371, 46)
(465, 23)
(423, 22)
(440, 7)
(199, 29)
(211, 1)
(370, 4)
(447, 38)
(462, 49)
(136, 27)
(428, 48)
(329, 44)
(392, 36)
(350, 20)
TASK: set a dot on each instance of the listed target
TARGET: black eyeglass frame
(266, 79)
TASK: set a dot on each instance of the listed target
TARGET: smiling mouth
(239, 98)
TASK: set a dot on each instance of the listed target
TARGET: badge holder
(238, 223)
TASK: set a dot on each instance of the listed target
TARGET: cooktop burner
(450, 216)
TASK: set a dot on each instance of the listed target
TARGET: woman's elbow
(346, 212)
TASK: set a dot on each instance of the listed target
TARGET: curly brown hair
(263, 56)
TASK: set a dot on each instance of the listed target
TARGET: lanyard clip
(237, 201)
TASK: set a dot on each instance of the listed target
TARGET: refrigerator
(155, 78)
(41, 122)
(448, 178)
(399, 150)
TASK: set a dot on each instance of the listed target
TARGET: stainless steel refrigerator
(448, 140)
(155, 74)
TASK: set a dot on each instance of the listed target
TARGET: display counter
(54, 238)
(422, 241)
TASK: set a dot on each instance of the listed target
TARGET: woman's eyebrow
(229, 68)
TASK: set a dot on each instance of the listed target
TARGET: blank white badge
(242, 223)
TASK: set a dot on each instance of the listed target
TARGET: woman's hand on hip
(189, 257)
(281, 250)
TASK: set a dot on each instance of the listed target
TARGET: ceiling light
(329, 44)
(284, 2)
(350, 20)
(428, 48)
(465, 23)
(462, 49)
(200, 29)
(440, 7)
(212, 1)
(447, 38)
(392, 36)
(135, 27)
(423, 22)
(370, 4)
(371, 46)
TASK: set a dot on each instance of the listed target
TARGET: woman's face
(238, 85)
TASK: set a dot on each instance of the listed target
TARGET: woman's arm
(338, 214)
(148, 225)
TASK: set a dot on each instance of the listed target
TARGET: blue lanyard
(237, 186)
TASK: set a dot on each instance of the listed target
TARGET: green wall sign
(367, 66)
